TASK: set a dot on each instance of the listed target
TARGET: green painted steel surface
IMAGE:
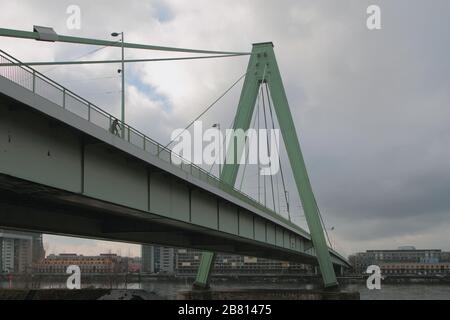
(228, 218)
(38, 152)
(271, 235)
(263, 67)
(292, 144)
(260, 230)
(96, 42)
(204, 270)
(58, 63)
(204, 210)
(108, 177)
(168, 197)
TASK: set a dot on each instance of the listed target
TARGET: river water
(387, 292)
(169, 289)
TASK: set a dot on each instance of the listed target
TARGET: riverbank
(230, 294)
(169, 290)
(84, 294)
(114, 279)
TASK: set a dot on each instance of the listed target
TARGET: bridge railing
(45, 87)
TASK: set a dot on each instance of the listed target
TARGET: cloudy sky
(372, 108)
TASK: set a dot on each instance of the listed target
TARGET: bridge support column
(205, 270)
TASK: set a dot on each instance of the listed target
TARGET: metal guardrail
(45, 87)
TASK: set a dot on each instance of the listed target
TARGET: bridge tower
(263, 68)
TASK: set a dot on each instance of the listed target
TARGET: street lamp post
(122, 71)
(332, 239)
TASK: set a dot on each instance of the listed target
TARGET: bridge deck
(58, 152)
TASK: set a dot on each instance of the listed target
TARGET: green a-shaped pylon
(263, 68)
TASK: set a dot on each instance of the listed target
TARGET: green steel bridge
(63, 171)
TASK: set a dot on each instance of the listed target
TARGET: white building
(156, 259)
(18, 251)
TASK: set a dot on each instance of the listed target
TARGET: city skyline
(90, 247)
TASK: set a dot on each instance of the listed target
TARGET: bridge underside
(62, 174)
(30, 206)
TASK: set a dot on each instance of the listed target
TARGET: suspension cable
(273, 128)
(259, 175)
(279, 160)
(278, 192)
(246, 156)
(220, 153)
(79, 57)
(315, 202)
(97, 42)
(59, 63)
(268, 147)
(204, 111)
(264, 177)
(91, 79)
(322, 221)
